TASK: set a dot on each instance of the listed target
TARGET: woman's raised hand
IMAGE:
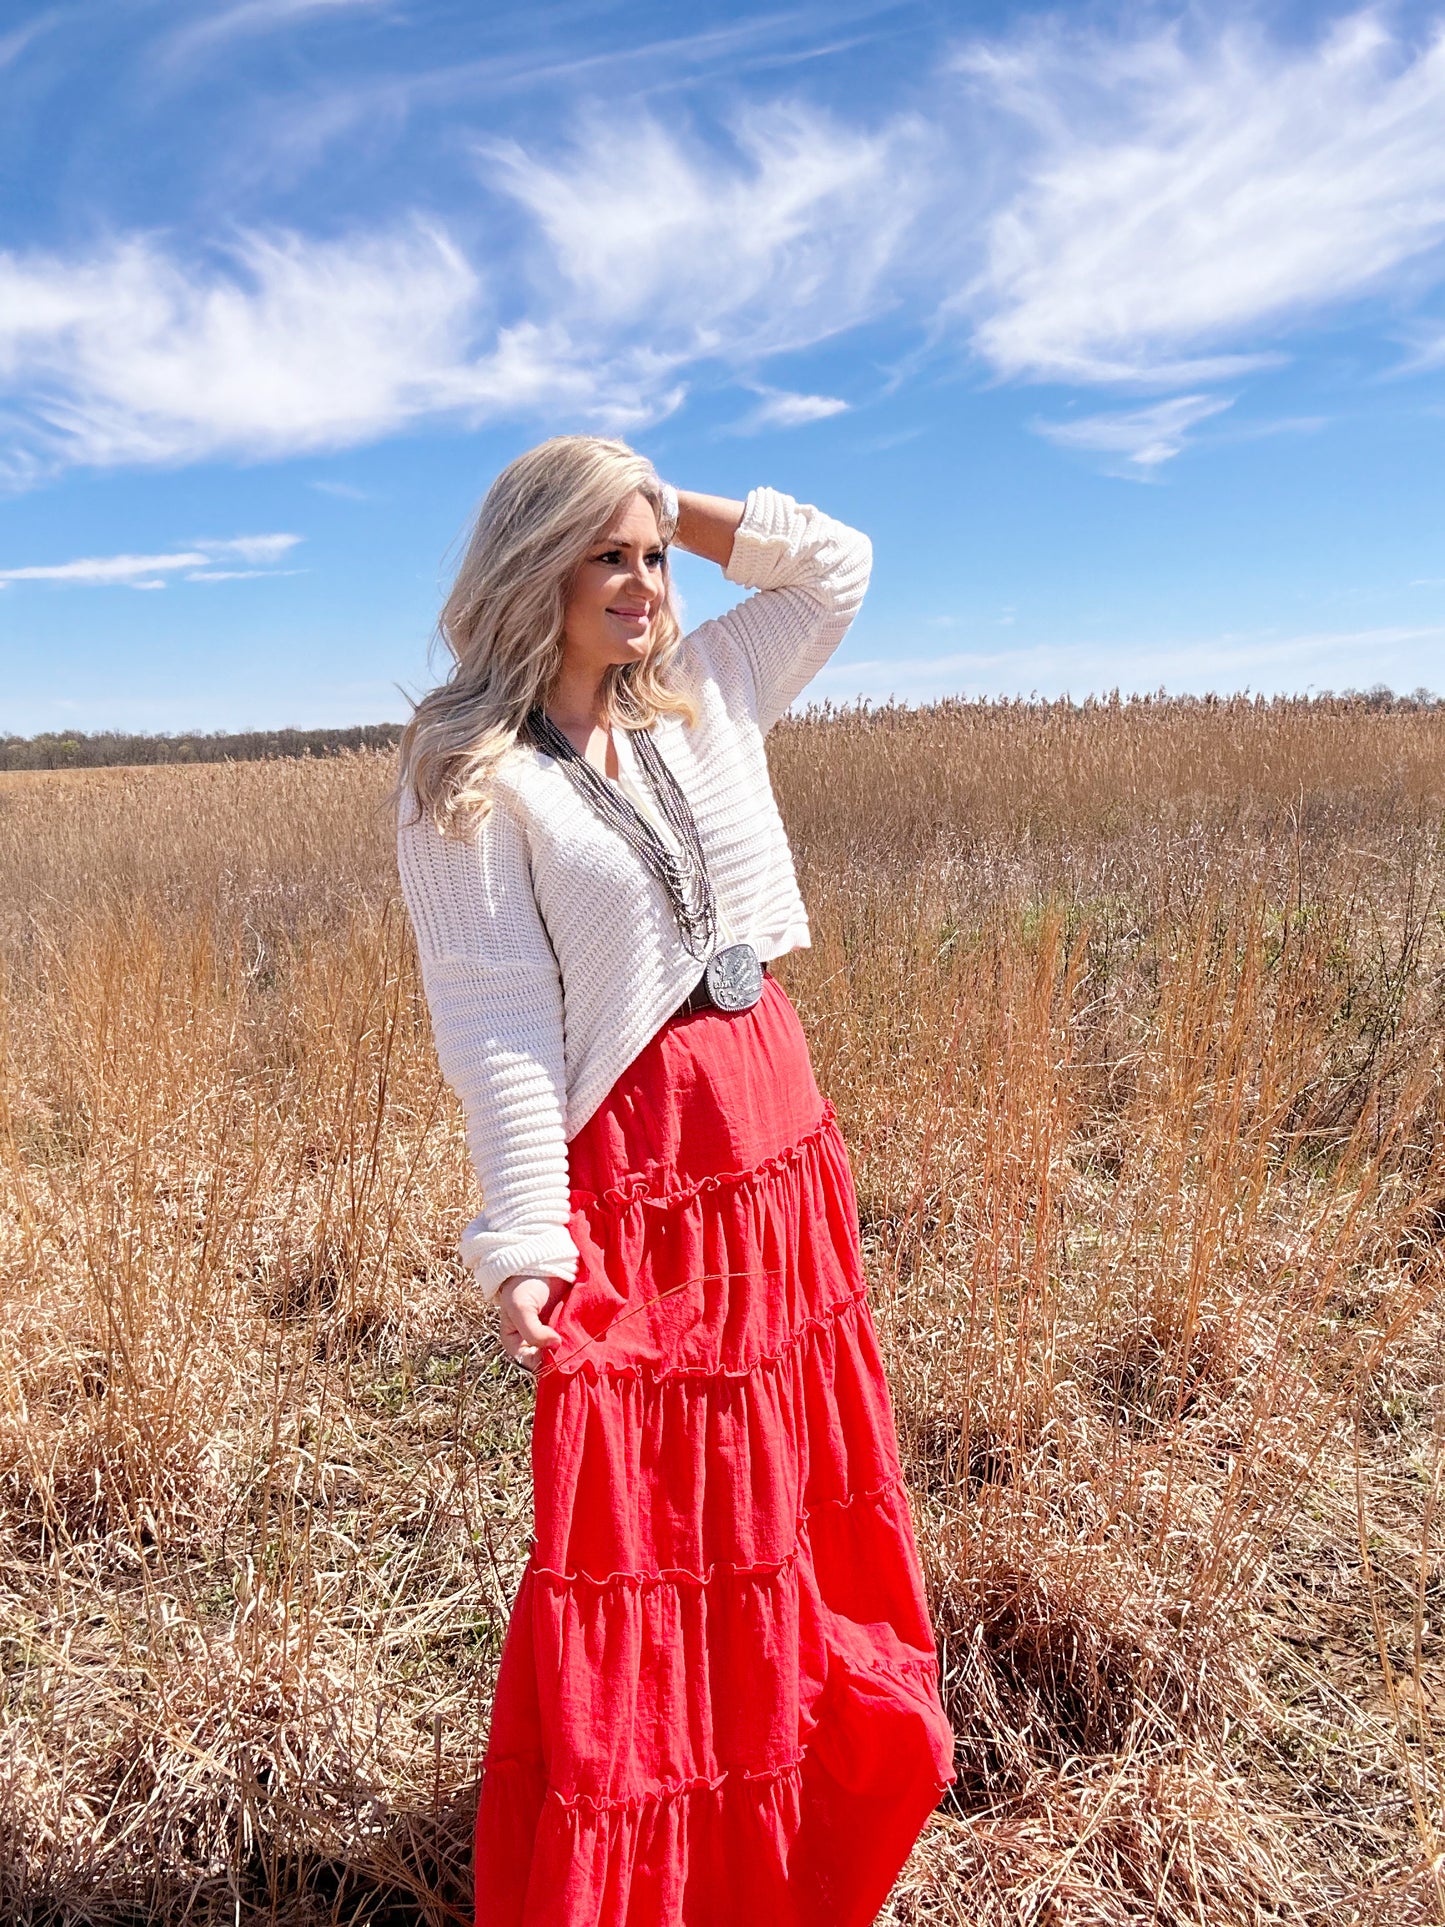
(526, 1304)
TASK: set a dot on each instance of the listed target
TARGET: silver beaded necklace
(733, 974)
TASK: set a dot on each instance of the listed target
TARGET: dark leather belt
(699, 999)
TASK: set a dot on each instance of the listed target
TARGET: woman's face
(616, 592)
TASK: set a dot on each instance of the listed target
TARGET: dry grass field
(1133, 1016)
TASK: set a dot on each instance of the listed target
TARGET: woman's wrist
(706, 524)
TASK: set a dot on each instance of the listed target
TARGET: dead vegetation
(1133, 1017)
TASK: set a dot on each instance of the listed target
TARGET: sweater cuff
(763, 540)
(493, 1257)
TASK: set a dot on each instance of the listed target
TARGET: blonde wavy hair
(503, 622)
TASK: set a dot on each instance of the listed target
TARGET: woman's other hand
(525, 1305)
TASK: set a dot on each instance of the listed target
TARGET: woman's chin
(628, 653)
(614, 655)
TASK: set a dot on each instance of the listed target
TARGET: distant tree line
(81, 749)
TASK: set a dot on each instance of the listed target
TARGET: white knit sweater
(550, 954)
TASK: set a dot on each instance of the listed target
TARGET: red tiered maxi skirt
(718, 1698)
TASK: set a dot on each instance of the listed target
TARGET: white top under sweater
(550, 954)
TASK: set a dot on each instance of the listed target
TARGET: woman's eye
(613, 558)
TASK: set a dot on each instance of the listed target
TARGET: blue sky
(1120, 331)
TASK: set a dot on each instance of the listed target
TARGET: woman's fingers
(534, 1332)
(525, 1333)
(528, 1305)
(515, 1346)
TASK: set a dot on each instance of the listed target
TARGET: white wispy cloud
(1139, 439)
(783, 408)
(248, 18)
(781, 240)
(620, 68)
(14, 43)
(283, 345)
(1180, 195)
(343, 491)
(195, 564)
(1424, 348)
(96, 571)
(250, 548)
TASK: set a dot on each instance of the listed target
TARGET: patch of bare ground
(1133, 1017)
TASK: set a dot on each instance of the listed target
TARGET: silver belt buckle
(734, 977)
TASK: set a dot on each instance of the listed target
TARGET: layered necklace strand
(684, 877)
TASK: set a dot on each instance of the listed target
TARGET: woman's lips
(637, 616)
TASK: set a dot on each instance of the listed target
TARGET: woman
(718, 1695)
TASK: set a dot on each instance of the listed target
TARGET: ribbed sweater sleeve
(812, 571)
(495, 996)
